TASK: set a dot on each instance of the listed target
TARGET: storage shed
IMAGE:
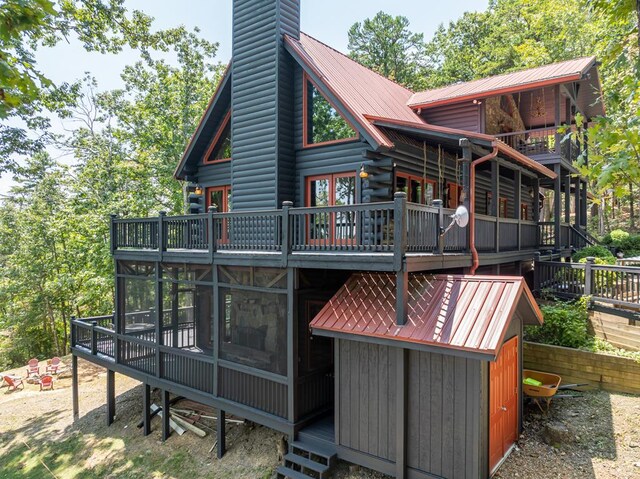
(445, 387)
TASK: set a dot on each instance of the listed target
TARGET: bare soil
(38, 439)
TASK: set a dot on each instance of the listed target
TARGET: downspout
(475, 262)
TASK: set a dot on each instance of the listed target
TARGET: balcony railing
(388, 227)
(541, 141)
(395, 227)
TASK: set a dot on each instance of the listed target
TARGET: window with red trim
(331, 190)
(321, 122)
(503, 207)
(418, 190)
(454, 192)
(219, 196)
(524, 211)
(220, 147)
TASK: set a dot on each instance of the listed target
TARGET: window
(220, 147)
(331, 190)
(418, 190)
(454, 193)
(321, 122)
(503, 207)
(220, 196)
(524, 211)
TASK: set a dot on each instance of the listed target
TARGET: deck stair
(307, 460)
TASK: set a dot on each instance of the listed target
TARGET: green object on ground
(532, 382)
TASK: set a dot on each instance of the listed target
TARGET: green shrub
(630, 245)
(618, 236)
(597, 251)
(565, 324)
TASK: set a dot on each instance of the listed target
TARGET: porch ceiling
(463, 315)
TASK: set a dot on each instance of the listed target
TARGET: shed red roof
(571, 70)
(459, 313)
(361, 90)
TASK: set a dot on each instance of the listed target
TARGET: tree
(386, 45)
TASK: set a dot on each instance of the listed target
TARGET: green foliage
(326, 123)
(565, 324)
(385, 44)
(54, 230)
(601, 253)
(618, 236)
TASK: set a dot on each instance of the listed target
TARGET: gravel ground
(38, 439)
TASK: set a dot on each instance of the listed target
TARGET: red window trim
(524, 208)
(305, 120)
(423, 182)
(225, 189)
(457, 187)
(332, 201)
(503, 201)
(216, 139)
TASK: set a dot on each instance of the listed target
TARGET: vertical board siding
(444, 421)
(463, 116)
(261, 121)
(254, 391)
(367, 398)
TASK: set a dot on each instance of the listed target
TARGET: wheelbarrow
(541, 388)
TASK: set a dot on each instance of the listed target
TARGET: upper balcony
(374, 236)
(542, 143)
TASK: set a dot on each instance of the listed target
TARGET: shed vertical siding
(444, 419)
(464, 116)
(367, 398)
(262, 114)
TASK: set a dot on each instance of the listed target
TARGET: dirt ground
(38, 439)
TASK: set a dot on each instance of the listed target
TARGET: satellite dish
(461, 216)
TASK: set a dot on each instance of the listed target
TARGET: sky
(327, 20)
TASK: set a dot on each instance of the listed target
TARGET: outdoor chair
(33, 367)
(46, 382)
(53, 365)
(14, 382)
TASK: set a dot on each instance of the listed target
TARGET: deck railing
(616, 285)
(568, 236)
(397, 227)
(542, 141)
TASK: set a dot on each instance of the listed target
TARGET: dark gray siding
(367, 393)
(217, 174)
(463, 116)
(444, 423)
(261, 123)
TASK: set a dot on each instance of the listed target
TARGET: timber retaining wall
(612, 373)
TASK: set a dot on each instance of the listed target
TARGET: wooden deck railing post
(162, 241)
(211, 231)
(536, 273)
(94, 338)
(285, 240)
(400, 229)
(73, 331)
(113, 234)
(440, 226)
(588, 276)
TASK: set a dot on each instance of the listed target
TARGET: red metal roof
(571, 70)
(464, 313)
(361, 90)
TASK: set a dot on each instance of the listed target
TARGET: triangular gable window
(220, 147)
(322, 123)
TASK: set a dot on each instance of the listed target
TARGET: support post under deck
(146, 404)
(74, 386)
(166, 427)
(111, 396)
(221, 434)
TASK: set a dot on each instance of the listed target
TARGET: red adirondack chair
(46, 382)
(14, 382)
(32, 367)
(53, 366)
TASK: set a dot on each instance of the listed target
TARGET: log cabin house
(309, 287)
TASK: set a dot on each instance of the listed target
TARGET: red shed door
(503, 402)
